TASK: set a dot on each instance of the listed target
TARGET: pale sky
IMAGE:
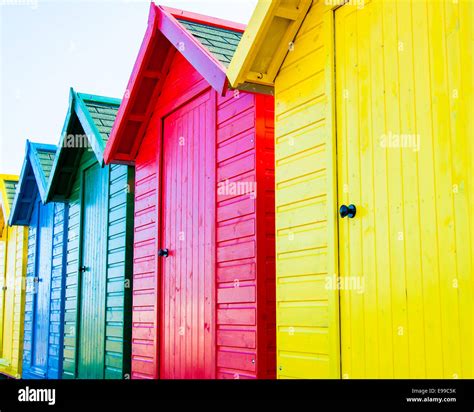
(46, 47)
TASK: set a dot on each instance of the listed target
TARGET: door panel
(9, 296)
(406, 276)
(42, 286)
(3, 261)
(188, 224)
(93, 279)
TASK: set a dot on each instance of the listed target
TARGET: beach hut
(13, 255)
(374, 183)
(203, 288)
(98, 261)
(43, 326)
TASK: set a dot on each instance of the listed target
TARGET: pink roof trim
(164, 20)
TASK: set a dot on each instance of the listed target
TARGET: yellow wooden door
(3, 262)
(9, 296)
(404, 103)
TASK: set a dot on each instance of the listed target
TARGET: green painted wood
(98, 317)
(99, 347)
(220, 42)
(94, 279)
(10, 187)
(119, 272)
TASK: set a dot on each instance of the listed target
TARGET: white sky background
(46, 47)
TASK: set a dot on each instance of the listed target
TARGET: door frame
(163, 112)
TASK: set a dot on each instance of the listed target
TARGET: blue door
(42, 288)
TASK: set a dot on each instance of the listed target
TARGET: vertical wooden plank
(411, 207)
(366, 279)
(465, 37)
(343, 28)
(444, 189)
(397, 235)
(459, 144)
(429, 235)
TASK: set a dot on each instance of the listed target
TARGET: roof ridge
(203, 19)
(99, 99)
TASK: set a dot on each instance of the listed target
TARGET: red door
(188, 233)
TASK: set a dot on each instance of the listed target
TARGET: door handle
(349, 211)
(163, 253)
(82, 269)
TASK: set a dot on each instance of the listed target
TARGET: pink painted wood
(208, 310)
(187, 277)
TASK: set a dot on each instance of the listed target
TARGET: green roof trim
(10, 189)
(8, 184)
(96, 116)
(221, 43)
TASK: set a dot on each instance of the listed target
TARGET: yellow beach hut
(374, 150)
(13, 256)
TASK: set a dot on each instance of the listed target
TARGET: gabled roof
(33, 180)
(266, 42)
(207, 43)
(7, 192)
(88, 124)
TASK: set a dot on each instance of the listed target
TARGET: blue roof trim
(25, 195)
(41, 178)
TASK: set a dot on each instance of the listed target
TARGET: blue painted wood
(58, 287)
(33, 179)
(44, 310)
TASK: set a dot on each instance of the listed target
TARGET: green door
(93, 273)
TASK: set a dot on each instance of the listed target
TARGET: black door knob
(349, 211)
(83, 269)
(163, 253)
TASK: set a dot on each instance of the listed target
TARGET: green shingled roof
(46, 159)
(221, 43)
(103, 114)
(10, 187)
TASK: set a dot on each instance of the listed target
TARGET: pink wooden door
(187, 330)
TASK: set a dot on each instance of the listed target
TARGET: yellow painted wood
(266, 41)
(354, 75)
(13, 259)
(398, 74)
(307, 309)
